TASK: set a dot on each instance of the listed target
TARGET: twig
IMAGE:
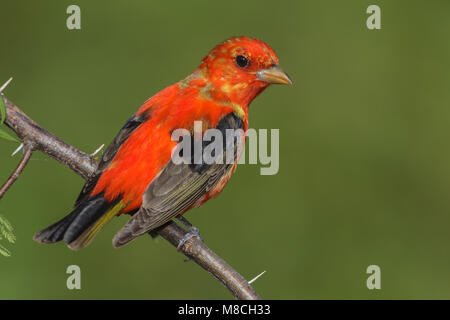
(84, 165)
(196, 250)
(28, 151)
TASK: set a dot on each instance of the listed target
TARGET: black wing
(179, 186)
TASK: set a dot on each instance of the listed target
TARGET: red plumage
(225, 83)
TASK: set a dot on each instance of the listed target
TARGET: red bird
(136, 174)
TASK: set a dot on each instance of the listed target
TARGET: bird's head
(242, 67)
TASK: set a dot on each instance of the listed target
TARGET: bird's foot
(193, 232)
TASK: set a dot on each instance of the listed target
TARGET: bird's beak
(274, 74)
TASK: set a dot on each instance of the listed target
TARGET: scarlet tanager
(136, 174)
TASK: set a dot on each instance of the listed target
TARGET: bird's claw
(193, 232)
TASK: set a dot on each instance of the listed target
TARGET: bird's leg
(185, 222)
(193, 232)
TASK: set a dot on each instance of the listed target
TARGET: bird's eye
(241, 61)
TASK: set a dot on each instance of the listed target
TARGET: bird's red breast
(135, 173)
(218, 87)
(148, 149)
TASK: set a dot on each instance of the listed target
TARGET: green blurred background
(364, 159)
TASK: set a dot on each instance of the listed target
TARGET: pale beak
(274, 74)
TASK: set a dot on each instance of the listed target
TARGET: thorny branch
(35, 138)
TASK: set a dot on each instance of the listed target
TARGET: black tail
(79, 221)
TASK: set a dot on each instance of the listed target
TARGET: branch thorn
(6, 84)
(98, 150)
(256, 278)
(17, 150)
